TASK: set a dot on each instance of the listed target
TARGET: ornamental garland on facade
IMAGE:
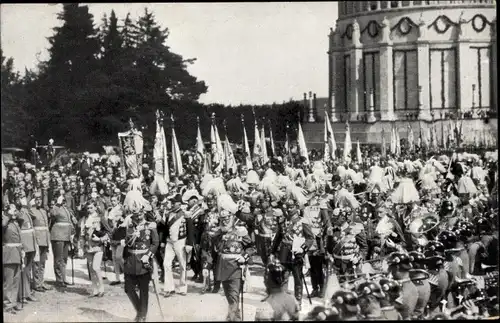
(373, 28)
(405, 26)
(479, 22)
(442, 24)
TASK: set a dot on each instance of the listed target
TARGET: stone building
(410, 61)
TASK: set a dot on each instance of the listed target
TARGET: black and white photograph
(249, 161)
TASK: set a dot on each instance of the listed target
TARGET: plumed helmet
(390, 287)
(276, 275)
(400, 259)
(370, 288)
(446, 208)
(345, 299)
(448, 239)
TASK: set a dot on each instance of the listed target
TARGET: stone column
(494, 66)
(386, 74)
(467, 75)
(424, 94)
(356, 73)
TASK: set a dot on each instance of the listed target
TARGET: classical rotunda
(411, 62)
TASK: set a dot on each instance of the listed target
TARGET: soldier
(279, 305)
(438, 278)
(291, 243)
(62, 227)
(266, 227)
(235, 250)
(12, 258)
(140, 244)
(347, 304)
(207, 246)
(29, 245)
(194, 217)
(318, 221)
(176, 246)
(41, 226)
(424, 288)
(369, 296)
(392, 292)
(399, 267)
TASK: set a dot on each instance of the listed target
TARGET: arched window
(373, 5)
(384, 4)
(405, 3)
(394, 4)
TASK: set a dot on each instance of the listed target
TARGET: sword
(156, 293)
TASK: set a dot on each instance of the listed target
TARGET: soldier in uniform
(207, 246)
(266, 227)
(41, 226)
(140, 244)
(194, 218)
(291, 243)
(399, 267)
(424, 288)
(318, 222)
(438, 278)
(62, 224)
(235, 250)
(369, 296)
(29, 244)
(12, 258)
(392, 292)
(279, 305)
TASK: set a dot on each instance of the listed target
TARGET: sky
(249, 53)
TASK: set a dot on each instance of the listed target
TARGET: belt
(230, 255)
(41, 228)
(343, 257)
(63, 223)
(12, 244)
(138, 252)
(27, 230)
(265, 235)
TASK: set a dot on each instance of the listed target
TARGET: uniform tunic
(266, 226)
(41, 226)
(409, 293)
(11, 257)
(29, 245)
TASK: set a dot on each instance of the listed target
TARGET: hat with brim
(190, 194)
(176, 198)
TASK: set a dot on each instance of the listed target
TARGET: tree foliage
(97, 77)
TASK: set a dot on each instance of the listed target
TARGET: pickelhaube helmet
(390, 287)
(464, 230)
(434, 246)
(400, 259)
(434, 260)
(346, 300)
(448, 239)
(370, 288)
(417, 259)
(446, 208)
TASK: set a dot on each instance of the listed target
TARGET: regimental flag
(288, 152)
(265, 157)
(302, 144)
(213, 145)
(398, 142)
(347, 142)
(176, 154)
(384, 145)
(200, 150)
(330, 144)
(248, 156)
(359, 157)
(230, 160)
(393, 140)
(160, 154)
(257, 143)
(220, 149)
(273, 150)
(411, 139)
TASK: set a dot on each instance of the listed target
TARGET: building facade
(413, 60)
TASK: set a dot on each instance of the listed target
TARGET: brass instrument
(421, 227)
(483, 266)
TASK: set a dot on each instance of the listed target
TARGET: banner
(160, 155)
(131, 150)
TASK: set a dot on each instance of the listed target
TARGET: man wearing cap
(194, 214)
(399, 267)
(42, 235)
(12, 257)
(176, 233)
(62, 227)
(235, 249)
(141, 242)
(29, 244)
(207, 245)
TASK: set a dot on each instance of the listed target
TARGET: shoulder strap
(174, 219)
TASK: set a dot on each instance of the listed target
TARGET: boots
(216, 288)
(321, 291)
(206, 285)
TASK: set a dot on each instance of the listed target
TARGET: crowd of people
(386, 237)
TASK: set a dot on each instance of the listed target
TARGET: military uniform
(42, 235)
(11, 259)
(62, 224)
(318, 220)
(207, 245)
(195, 229)
(141, 240)
(266, 227)
(231, 247)
(290, 231)
(390, 313)
(439, 282)
(424, 294)
(29, 246)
